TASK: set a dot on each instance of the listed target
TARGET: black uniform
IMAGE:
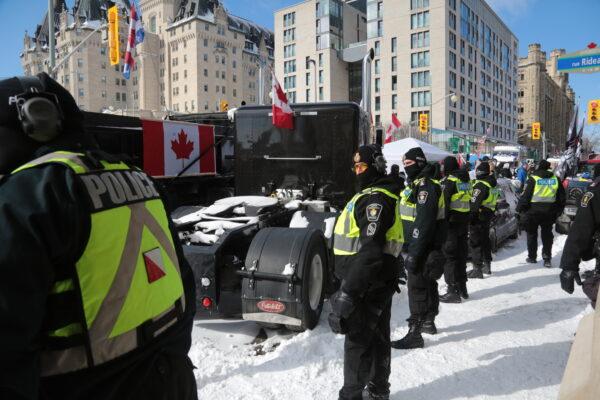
(425, 238)
(456, 246)
(536, 215)
(370, 278)
(480, 219)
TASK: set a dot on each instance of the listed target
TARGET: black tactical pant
(455, 251)
(479, 240)
(535, 221)
(367, 345)
(423, 296)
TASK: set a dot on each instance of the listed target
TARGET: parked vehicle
(504, 225)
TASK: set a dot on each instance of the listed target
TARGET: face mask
(365, 179)
(412, 171)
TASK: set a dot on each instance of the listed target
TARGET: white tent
(394, 151)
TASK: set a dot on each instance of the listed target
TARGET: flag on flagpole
(139, 27)
(283, 116)
(132, 40)
(394, 126)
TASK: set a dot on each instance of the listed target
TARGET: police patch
(585, 200)
(371, 229)
(415, 233)
(475, 194)
(373, 212)
(422, 198)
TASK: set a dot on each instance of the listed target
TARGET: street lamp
(453, 98)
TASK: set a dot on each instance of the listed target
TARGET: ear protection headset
(38, 111)
(378, 160)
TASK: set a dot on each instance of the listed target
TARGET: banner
(113, 35)
(169, 147)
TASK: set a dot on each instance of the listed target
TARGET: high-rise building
(425, 50)
(544, 96)
(195, 57)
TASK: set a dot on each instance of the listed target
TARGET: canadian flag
(395, 125)
(283, 116)
(170, 146)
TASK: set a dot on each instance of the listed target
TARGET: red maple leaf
(182, 147)
(592, 45)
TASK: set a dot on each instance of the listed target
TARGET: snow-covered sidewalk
(511, 340)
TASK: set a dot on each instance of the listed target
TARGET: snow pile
(289, 269)
(509, 341)
(298, 220)
(329, 226)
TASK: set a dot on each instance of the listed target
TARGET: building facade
(195, 57)
(425, 50)
(544, 96)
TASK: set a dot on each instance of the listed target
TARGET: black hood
(491, 179)
(462, 174)
(543, 173)
(427, 172)
(387, 182)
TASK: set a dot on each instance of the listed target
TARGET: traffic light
(594, 112)
(223, 105)
(423, 123)
(536, 131)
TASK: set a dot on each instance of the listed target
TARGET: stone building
(195, 56)
(544, 96)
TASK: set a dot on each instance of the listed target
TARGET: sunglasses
(360, 167)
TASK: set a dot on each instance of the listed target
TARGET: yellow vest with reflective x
(461, 200)
(346, 238)
(492, 199)
(545, 189)
(408, 209)
(127, 281)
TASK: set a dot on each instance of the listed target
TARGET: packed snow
(511, 340)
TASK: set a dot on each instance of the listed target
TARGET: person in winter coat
(542, 202)
(367, 241)
(483, 207)
(522, 175)
(422, 211)
(457, 191)
(96, 299)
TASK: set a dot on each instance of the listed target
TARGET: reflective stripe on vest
(492, 199)
(346, 238)
(545, 189)
(127, 278)
(408, 209)
(461, 200)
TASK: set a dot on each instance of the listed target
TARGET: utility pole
(543, 145)
(51, 35)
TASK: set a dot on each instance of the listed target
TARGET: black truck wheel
(284, 278)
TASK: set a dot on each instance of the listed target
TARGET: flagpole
(51, 43)
(65, 58)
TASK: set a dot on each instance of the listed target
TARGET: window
(104, 94)
(205, 72)
(452, 4)
(452, 60)
(321, 76)
(452, 40)
(394, 82)
(377, 66)
(394, 101)
(452, 119)
(289, 19)
(420, 79)
(321, 93)
(217, 74)
(289, 35)
(420, 59)
(377, 103)
(81, 93)
(452, 20)
(80, 62)
(522, 77)
(118, 96)
(289, 67)
(123, 97)
(414, 4)
(394, 63)
(103, 50)
(420, 39)
(419, 20)
(206, 88)
(153, 24)
(80, 77)
(377, 48)
(420, 99)
(320, 59)
(205, 42)
(289, 82)
(377, 82)
(394, 44)
(452, 80)
(289, 51)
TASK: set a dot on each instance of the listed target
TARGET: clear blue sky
(554, 24)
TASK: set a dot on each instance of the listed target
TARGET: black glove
(567, 279)
(401, 272)
(435, 265)
(342, 306)
(411, 265)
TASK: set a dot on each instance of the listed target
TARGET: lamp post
(453, 99)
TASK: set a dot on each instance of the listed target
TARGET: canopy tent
(394, 151)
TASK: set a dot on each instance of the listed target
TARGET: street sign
(454, 144)
(582, 61)
(467, 146)
(594, 112)
(423, 123)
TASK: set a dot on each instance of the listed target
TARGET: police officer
(95, 299)
(422, 210)
(368, 238)
(457, 196)
(542, 202)
(483, 207)
(582, 240)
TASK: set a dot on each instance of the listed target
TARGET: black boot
(462, 290)
(476, 272)
(412, 340)
(531, 260)
(372, 393)
(451, 296)
(486, 267)
(429, 327)
(547, 262)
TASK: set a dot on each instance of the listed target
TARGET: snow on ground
(511, 340)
